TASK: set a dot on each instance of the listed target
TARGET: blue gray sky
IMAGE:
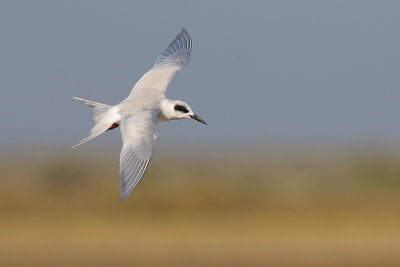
(260, 70)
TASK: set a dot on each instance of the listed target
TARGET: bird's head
(175, 110)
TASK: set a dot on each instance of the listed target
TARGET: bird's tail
(104, 116)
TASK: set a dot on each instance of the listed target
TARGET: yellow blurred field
(61, 211)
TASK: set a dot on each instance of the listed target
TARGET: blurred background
(299, 164)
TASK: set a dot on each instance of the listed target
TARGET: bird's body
(139, 113)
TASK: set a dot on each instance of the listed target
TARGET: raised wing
(172, 60)
(139, 134)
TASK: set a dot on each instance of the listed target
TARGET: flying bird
(139, 113)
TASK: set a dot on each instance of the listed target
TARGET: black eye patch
(181, 109)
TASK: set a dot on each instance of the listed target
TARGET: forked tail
(104, 116)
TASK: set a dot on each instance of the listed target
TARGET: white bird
(139, 113)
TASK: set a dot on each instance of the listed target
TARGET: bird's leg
(115, 125)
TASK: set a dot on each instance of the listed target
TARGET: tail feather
(85, 140)
(89, 102)
(104, 117)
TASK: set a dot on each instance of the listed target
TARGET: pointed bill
(197, 118)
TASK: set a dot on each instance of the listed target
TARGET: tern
(139, 113)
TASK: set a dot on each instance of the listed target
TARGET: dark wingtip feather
(178, 52)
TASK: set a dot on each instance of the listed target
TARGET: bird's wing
(172, 60)
(139, 135)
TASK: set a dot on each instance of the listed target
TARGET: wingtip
(178, 52)
(185, 31)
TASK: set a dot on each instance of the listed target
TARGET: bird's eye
(181, 108)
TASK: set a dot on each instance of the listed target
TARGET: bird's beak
(197, 118)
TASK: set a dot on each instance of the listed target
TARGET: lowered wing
(139, 135)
